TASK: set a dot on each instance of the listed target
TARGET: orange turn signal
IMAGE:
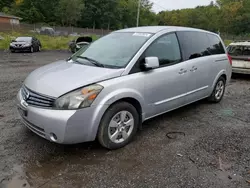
(92, 97)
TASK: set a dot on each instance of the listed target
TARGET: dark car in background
(80, 42)
(29, 44)
(47, 31)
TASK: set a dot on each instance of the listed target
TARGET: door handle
(182, 71)
(193, 69)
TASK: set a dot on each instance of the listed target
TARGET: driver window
(166, 48)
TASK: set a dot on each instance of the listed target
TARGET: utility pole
(138, 13)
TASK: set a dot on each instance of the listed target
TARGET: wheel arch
(124, 95)
(221, 74)
(135, 103)
(224, 76)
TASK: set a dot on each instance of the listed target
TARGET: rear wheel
(218, 91)
(118, 126)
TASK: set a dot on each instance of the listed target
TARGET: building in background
(8, 19)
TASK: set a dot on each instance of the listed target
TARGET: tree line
(225, 16)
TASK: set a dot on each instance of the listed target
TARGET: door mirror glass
(151, 63)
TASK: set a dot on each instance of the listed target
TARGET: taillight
(230, 59)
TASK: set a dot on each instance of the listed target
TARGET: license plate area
(241, 64)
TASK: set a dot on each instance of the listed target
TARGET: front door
(165, 87)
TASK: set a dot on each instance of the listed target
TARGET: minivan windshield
(114, 50)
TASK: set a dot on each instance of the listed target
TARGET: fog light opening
(53, 137)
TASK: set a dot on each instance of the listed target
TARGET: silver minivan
(107, 90)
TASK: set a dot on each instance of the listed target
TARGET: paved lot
(212, 150)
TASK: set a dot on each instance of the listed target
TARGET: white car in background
(240, 54)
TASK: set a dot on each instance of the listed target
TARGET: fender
(123, 93)
(119, 94)
(110, 99)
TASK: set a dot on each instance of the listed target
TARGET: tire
(31, 49)
(73, 51)
(220, 87)
(12, 51)
(123, 131)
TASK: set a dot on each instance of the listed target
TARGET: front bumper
(26, 48)
(241, 70)
(69, 126)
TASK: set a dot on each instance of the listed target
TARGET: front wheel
(118, 126)
(218, 91)
(31, 49)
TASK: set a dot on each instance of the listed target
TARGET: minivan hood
(61, 77)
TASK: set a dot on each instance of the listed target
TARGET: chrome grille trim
(36, 99)
(34, 128)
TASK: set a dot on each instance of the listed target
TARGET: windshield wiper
(94, 62)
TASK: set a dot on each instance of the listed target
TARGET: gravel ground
(211, 150)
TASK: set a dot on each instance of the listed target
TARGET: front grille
(36, 99)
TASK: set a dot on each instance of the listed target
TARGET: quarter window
(216, 46)
(166, 48)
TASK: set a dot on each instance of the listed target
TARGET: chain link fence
(75, 31)
(230, 37)
(61, 31)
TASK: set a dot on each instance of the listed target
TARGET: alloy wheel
(219, 90)
(121, 127)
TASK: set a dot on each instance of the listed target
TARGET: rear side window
(216, 46)
(239, 50)
(194, 44)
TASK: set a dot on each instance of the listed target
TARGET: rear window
(235, 50)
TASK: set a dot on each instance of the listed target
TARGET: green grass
(48, 42)
(227, 42)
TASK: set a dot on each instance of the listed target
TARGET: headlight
(80, 98)
(12, 44)
(27, 44)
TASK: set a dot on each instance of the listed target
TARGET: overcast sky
(160, 5)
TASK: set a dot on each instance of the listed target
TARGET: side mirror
(151, 63)
(13, 41)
